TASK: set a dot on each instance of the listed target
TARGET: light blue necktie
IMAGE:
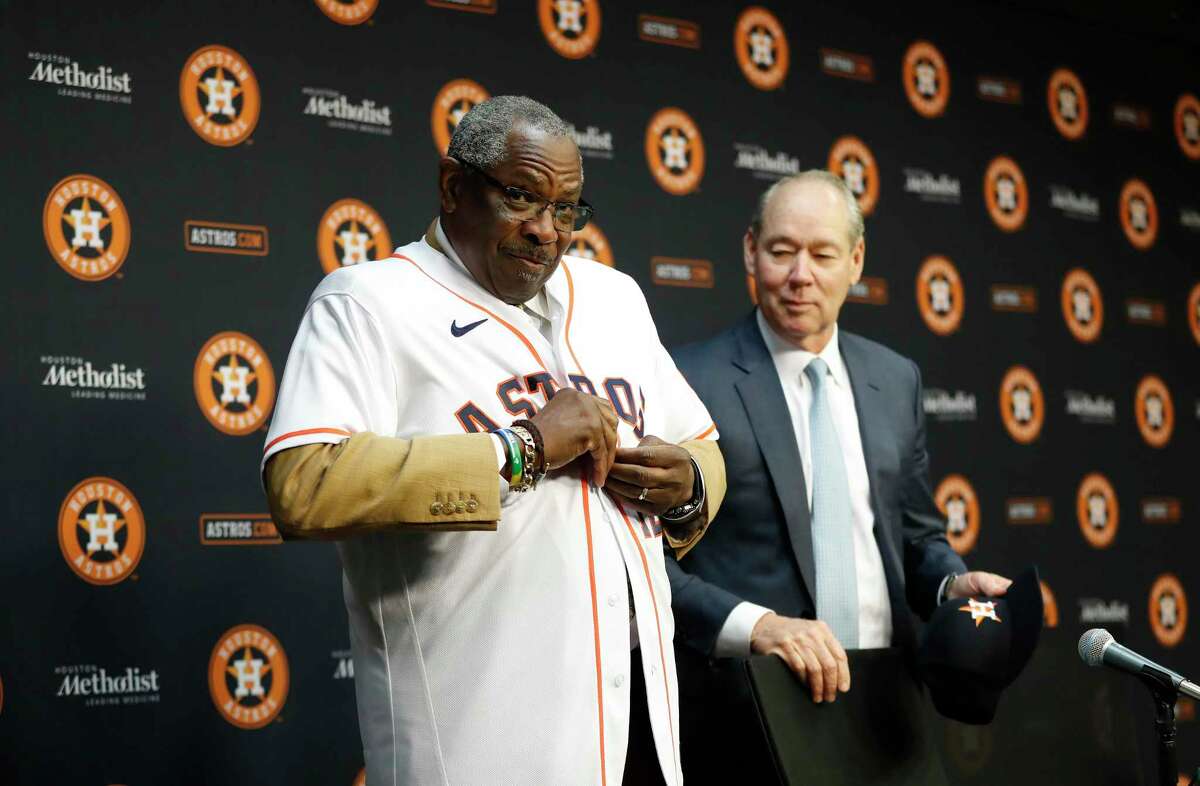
(832, 522)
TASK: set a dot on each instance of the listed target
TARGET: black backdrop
(94, 91)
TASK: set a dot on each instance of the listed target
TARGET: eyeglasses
(526, 206)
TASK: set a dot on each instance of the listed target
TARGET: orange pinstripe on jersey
(302, 432)
(587, 522)
(657, 622)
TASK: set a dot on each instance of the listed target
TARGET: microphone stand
(1164, 694)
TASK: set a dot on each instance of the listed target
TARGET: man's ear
(749, 248)
(857, 257)
(450, 183)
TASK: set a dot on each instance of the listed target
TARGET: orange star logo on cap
(980, 610)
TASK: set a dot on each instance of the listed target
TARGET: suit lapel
(873, 430)
(766, 409)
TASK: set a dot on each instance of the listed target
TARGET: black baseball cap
(973, 648)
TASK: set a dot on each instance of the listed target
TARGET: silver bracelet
(681, 514)
(531, 476)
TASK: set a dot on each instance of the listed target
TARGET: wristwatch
(681, 514)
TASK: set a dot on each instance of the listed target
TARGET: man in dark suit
(829, 533)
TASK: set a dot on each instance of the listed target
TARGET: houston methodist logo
(761, 47)
(1082, 306)
(86, 227)
(1068, 103)
(1193, 312)
(348, 12)
(1168, 610)
(234, 383)
(454, 100)
(571, 27)
(1097, 511)
(852, 161)
(1187, 125)
(351, 232)
(1154, 411)
(590, 243)
(957, 501)
(1139, 214)
(674, 151)
(220, 95)
(1022, 407)
(101, 531)
(248, 676)
(1006, 194)
(926, 79)
(940, 295)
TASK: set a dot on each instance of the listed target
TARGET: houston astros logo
(220, 95)
(1193, 312)
(852, 161)
(1097, 511)
(590, 243)
(1006, 194)
(1068, 103)
(926, 79)
(572, 27)
(940, 295)
(957, 501)
(1082, 306)
(234, 383)
(348, 12)
(761, 47)
(1049, 606)
(1022, 407)
(351, 232)
(1154, 411)
(674, 151)
(1168, 610)
(1139, 214)
(101, 531)
(248, 676)
(981, 610)
(86, 227)
(1187, 125)
(454, 100)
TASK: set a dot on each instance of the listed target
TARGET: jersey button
(612, 600)
(619, 680)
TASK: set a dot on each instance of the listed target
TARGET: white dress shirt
(874, 605)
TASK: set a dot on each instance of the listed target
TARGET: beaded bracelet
(541, 464)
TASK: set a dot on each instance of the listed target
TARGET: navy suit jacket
(759, 548)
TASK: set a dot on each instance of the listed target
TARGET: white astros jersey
(495, 657)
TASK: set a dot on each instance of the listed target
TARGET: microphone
(1097, 647)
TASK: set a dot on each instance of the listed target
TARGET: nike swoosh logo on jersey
(457, 331)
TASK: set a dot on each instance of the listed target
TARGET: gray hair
(481, 137)
(854, 217)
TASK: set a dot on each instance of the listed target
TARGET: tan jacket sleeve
(708, 456)
(369, 482)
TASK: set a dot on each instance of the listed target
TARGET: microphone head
(1092, 644)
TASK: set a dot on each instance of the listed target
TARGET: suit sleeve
(331, 467)
(928, 557)
(701, 608)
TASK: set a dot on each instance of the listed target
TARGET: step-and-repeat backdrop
(179, 176)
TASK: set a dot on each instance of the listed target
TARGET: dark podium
(881, 732)
(1059, 723)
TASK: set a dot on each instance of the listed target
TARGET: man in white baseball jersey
(498, 578)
